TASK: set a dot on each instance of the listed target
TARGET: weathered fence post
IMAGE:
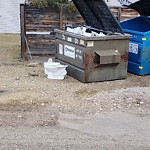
(23, 32)
(61, 18)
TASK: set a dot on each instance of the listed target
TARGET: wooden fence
(123, 13)
(37, 25)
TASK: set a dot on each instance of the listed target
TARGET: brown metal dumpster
(92, 59)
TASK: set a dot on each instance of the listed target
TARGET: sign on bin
(69, 51)
(133, 48)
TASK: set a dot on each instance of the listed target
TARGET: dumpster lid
(97, 15)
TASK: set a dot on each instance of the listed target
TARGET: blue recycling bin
(139, 46)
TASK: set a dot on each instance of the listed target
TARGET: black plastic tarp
(142, 6)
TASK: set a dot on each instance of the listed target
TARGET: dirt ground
(42, 114)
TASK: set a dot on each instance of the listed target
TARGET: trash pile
(84, 31)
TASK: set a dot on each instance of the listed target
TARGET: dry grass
(18, 87)
(9, 47)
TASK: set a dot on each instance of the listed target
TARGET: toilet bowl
(54, 70)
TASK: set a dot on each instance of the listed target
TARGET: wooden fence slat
(23, 32)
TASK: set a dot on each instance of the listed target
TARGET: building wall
(10, 16)
(112, 2)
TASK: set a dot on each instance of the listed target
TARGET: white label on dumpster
(69, 51)
(69, 39)
(61, 49)
(133, 48)
(90, 44)
(81, 42)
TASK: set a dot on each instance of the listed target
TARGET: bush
(66, 5)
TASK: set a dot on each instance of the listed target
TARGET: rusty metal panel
(109, 57)
(107, 73)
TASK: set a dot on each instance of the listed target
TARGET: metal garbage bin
(92, 59)
(139, 46)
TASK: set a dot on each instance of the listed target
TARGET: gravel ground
(37, 113)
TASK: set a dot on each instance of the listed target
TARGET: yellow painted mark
(144, 39)
(140, 67)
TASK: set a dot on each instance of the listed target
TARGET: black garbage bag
(141, 6)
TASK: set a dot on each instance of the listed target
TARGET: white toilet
(54, 70)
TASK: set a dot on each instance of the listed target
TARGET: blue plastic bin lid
(97, 14)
